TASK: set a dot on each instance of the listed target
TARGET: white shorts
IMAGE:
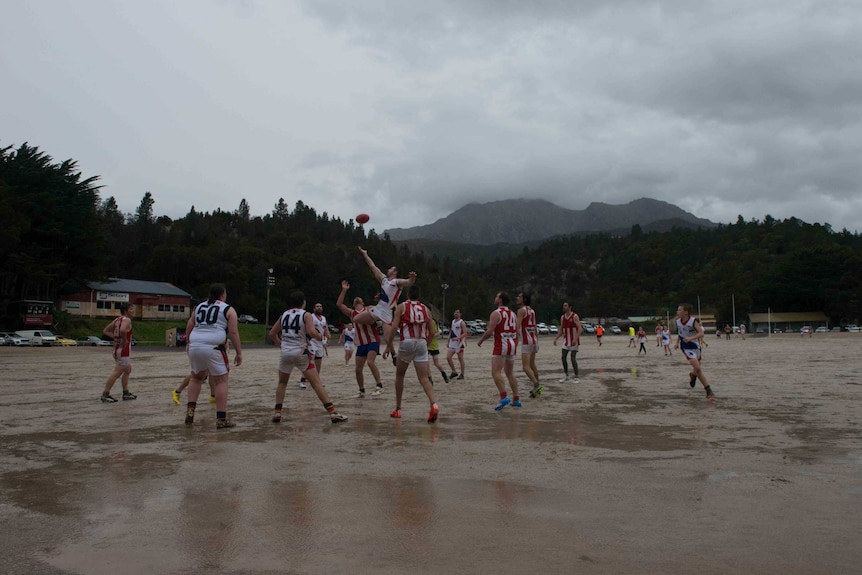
(123, 361)
(413, 350)
(300, 361)
(456, 346)
(383, 313)
(348, 346)
(208, 359)
(571, 347)
(692, 353)
(529, 348)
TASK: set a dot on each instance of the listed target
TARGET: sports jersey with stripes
(210, 329)
(570, 330)
(122, 345)
(528, 327)
(506, 333)
(413, 320)
(365, 333)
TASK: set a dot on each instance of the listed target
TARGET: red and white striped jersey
(528, 327)
(414, 320)
(506, 333)
(570, 330)
(365, 333)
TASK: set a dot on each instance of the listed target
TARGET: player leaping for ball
(390, 288)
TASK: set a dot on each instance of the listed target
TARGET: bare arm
(233, 336)
(275, 332)
(430, 328)
(396, 320)
(374, 269)
(492, 325)
(403, 283)
(521, 314)
(310, 330)
(340, 302)
(190, 325)
(699, 334)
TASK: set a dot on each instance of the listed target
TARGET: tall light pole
(270, 281)
(445, 286)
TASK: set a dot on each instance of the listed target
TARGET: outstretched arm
(374, 269)
(403, 283)
(340, 302)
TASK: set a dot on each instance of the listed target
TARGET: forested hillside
(57, 233)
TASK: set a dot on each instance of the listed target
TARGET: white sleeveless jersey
(320, 326)
(456, 329)
(294, 339)
(210, 329)
(685, 330)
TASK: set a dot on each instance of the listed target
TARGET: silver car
(12, 338)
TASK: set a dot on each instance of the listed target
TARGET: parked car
(615, 329)
(836, 328)
(93, 340)
(38, 336)
(245, 318)
(553, 329)
(12, 338)
(333, 329)
(542, 329)
(588, 327)
(64, 341)
(805, 329)
(821, 329)
(853, 328)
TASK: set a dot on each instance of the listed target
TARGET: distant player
(570, 331)
(689, 335)
(529, 341)
(458, 332)
(346, 338)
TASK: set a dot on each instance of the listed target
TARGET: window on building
(179, 308)
(103, 305)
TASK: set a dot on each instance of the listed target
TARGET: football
(362, 219)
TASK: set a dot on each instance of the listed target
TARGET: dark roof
(138, 286)
(792, 316)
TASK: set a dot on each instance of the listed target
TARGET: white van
(38, 336)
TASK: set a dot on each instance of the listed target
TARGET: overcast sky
(408, 110)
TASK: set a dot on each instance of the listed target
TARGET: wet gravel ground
(628, 471)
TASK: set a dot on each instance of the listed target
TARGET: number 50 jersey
(210, 328)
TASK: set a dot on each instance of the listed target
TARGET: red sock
(503, 395)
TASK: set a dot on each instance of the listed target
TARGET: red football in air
(362, 219)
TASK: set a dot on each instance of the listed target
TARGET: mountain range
(529, 221)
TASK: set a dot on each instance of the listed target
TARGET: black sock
(221, 415)
(278, 407)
